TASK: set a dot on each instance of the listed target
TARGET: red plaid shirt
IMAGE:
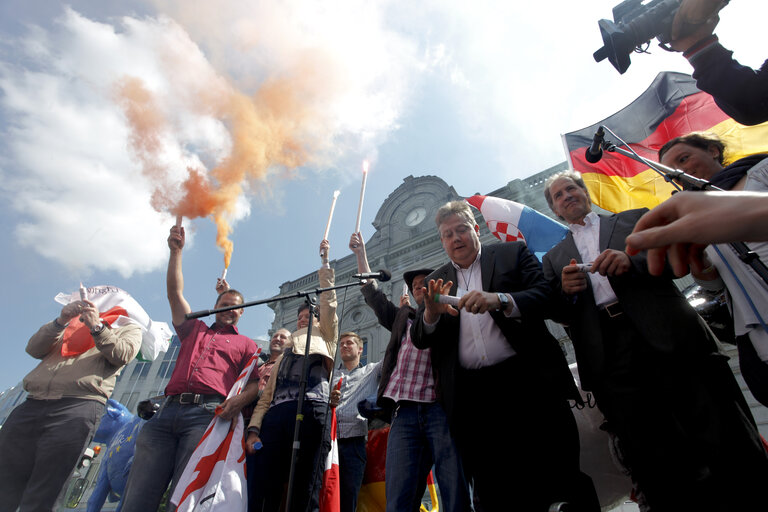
(412, 378)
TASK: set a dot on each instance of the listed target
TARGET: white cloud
(517, 74)
(353, 70)
(522, 73)
(68, 168)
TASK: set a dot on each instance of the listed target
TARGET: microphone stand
(312, 302)
(689, 182)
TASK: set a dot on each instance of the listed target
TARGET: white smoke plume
(114, 123)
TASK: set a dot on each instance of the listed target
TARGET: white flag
(214, 478)
(125, 310)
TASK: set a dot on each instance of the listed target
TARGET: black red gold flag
(670, 107)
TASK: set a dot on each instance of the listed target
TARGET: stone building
(405, 238)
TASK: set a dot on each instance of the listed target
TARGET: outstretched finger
(655, 260)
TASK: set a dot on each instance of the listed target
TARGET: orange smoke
(266, 131)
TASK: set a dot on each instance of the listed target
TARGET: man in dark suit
(419, 437)
(684, 428)
(501, 376)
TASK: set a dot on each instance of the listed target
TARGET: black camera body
(634, 24)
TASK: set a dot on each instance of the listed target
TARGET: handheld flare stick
(224, 274)
(330, 214)
(178, 220)
(83, 292)
(362, 196)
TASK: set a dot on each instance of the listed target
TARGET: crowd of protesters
(475, 387)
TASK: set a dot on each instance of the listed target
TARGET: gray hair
(460, 208)
(574, 176)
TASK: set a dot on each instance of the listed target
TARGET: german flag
(670, 107)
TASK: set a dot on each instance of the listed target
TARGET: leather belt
(612, 310)
(194, 398)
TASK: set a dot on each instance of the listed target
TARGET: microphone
(594, 153)
(381, 275)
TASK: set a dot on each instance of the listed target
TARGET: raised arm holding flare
(210, 360)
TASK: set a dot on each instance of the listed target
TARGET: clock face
(415, 216)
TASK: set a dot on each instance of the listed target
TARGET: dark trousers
(519, 441)
(753, 369)
(351, 470)
(274, 459)
(684, 428)
(41, 442)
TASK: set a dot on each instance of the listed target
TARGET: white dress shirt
(587, 239)
(481, 342)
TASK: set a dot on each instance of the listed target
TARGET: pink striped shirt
(412, 378)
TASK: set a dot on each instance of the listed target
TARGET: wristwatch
(98, 329)
(503, 301)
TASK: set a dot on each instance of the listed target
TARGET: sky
(109, 109)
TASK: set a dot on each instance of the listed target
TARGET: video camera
(634, 24)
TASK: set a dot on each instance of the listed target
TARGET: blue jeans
(352, 459)
(418, 438)
(163, 448)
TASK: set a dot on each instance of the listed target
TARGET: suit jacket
(506, 268)
(395, 320)
(653, 305)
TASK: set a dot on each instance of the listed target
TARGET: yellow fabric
(647, 189)
(372, 497)
(616, 194)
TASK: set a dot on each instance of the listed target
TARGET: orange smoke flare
(265, 131)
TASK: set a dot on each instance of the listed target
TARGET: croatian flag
(214, 478)
(330, 495)
(510, 221)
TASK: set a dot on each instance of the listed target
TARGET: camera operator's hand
(694, 20)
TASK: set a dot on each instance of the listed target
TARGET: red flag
(77, 337)
(330, 495)
(372, 497)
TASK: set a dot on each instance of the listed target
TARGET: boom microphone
(381, 275)
(594, 153)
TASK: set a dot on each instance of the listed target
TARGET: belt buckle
(613, 309)
(189, 398)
